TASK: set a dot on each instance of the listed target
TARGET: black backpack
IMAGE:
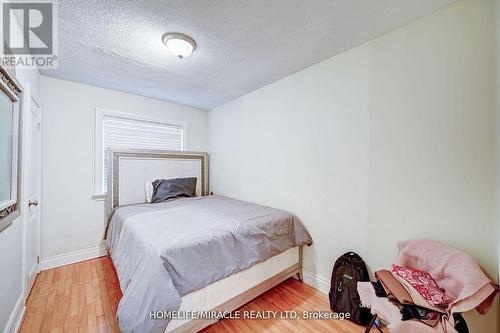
(348, 270)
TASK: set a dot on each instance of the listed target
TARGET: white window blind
(124, 133)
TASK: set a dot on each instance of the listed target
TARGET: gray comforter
(164, 251)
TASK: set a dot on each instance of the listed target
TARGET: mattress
(165, 251)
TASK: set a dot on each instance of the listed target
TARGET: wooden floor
(83, 297)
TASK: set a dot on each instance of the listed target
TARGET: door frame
(30, 97)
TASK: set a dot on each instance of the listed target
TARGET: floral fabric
(425, 285)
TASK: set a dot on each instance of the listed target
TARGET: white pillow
(148, 189)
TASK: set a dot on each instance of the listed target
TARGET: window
(121, 131)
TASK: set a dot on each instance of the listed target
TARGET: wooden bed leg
(300, 276)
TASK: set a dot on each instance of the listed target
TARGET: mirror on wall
(10, 91)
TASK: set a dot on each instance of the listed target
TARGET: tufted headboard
(131, 169)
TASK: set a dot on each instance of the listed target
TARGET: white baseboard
(72, 257)
(316, 281)
(16, 317)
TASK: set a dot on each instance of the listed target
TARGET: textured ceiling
(242, 45)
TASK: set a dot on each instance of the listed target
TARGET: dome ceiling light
(178, 44)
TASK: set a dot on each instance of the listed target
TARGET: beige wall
(394, 139)
(497, 173)
(72, 221)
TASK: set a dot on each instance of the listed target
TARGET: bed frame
(131, 169)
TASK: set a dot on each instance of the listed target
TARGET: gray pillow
(166, 189)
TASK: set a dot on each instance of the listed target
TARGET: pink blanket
(458, 273)
(455, 271)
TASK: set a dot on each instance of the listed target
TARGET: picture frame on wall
(10, 92)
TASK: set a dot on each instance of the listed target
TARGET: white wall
(394, 139)
(11, 282)
(302, 144)
(12, 278)
(72, 221)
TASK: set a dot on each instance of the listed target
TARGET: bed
(188, 256)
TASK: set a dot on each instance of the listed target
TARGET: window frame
(100, 113)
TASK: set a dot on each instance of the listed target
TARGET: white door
(33, 188)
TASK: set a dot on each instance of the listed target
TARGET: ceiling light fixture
(179, 44)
